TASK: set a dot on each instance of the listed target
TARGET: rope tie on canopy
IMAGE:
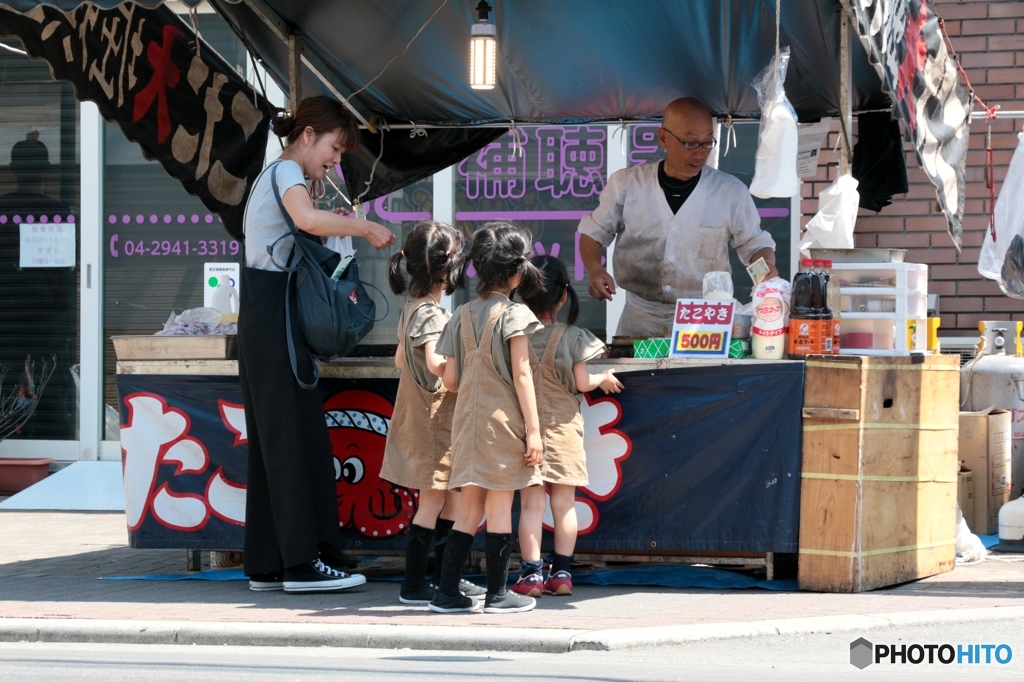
(621, 131)
(416, 130)
(730, 134)
(383, 126)
(517, 143)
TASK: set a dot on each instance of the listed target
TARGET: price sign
(702, 329)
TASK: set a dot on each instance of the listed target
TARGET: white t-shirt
(263, 220)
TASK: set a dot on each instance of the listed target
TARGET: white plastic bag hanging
(1002, 259)
(775, 173)
(342, 245)
(832, 226)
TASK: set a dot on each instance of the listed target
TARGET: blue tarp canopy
(407, 61)
(560, 62)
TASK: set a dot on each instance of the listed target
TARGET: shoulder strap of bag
(291, 270)
(293, 231)
(245, 212)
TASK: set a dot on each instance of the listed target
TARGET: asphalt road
(811, 657)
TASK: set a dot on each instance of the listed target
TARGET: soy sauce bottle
(808, 312)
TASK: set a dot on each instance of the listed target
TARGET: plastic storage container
(879, 303)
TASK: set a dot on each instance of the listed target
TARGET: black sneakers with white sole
(472, 590)
(266, 582)
(460, 604)
(316, 576)
(417, 596)
(422, 595)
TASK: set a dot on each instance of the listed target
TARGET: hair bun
(283, 123)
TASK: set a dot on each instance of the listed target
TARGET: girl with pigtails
(558, 356)
(496, 440)
(418, 451)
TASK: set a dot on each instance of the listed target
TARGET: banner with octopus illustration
(691, 459)
(904, 43)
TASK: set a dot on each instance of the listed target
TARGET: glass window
(39, 244)
(157, 237)
(546, 181)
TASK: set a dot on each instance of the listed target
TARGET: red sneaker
(559, 584)
(531, 585)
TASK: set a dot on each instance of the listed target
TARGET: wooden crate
(878, 488)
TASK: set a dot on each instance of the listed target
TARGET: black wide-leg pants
(291, 509)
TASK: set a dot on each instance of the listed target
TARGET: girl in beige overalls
(558, 356)
(496, 442)
(418, 452)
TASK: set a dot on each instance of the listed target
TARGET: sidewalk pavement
(50, 562)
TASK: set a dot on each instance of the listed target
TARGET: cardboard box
(965, 494)
(985, 450)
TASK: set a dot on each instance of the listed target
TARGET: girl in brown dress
(418, 451)
(558, 356)
(496, 442)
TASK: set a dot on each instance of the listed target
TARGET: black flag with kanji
(168, 91)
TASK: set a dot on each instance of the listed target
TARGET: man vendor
(672, 221)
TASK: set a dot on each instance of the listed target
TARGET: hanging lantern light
(483, 51)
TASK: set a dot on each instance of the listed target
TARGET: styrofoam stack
(1011, 523)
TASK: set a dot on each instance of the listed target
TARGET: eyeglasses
(692, 145)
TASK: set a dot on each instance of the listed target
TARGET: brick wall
(989, 37)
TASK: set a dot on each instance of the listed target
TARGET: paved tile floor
(50, 562)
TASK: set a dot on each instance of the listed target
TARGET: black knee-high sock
(455, 556)
(560, 562)
(499, 554)
(442, 529)
(417, 549)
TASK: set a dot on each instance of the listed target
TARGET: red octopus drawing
(358, 423)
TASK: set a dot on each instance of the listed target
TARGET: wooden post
(294, 70)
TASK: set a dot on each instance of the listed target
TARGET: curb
(449, 638)
(612, 640)
(446, 638)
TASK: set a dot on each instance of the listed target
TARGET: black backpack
(334, 315)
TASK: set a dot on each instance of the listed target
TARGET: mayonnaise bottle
(769, 331)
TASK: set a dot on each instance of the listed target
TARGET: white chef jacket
(660, 257)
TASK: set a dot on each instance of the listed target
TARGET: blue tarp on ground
(647, 576)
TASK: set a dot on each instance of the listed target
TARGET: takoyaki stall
(843, 460)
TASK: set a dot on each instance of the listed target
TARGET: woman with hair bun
(292, 539)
